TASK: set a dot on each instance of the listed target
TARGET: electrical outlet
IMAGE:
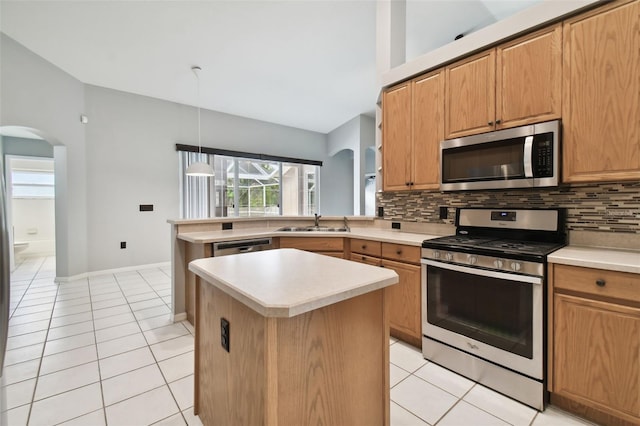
(224, 334)
(380, 211)
(146, 207)
(123, 244)
(444, 213)
(227, 225)
(395, 225)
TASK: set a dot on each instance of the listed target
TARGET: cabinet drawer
(371, 248)
(369, 260)
(619, 285)
(313, 243)
(401, 252)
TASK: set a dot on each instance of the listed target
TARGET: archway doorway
(36, 160)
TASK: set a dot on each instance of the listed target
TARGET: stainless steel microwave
(521, 157)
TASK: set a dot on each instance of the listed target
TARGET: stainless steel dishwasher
(225, 248)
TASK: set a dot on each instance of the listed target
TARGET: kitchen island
(291, 337)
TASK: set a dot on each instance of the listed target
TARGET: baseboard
(110, 271)
(179, 317)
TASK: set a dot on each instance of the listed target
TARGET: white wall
(36, 94)
(34, 222)
(356, 135)
(337, 173)
(132, 160)
(125, 156)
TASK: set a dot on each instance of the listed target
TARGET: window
(32, 184)
(248, 187)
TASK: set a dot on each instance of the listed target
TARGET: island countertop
(287, 282)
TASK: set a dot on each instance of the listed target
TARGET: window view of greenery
(247, 187)
(258, 192)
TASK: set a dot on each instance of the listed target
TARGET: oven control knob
(498, 263)
(436, 254)
(449, 256)
(472, 260)
(516, 266)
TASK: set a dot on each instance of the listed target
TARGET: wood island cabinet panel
(427, 131)
(529, 79)
(404, 301)
(597, 355)
(470, 95)
(396, 137)
(329, 366)
(601, 99)
(315, 244)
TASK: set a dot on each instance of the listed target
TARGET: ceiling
(301, 63)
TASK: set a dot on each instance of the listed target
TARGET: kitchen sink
(311, 229)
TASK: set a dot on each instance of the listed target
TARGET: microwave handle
(528, 151)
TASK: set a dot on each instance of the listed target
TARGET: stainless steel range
(483, 307)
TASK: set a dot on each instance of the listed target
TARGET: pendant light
(199, 168)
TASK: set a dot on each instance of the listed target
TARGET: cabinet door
(597, 354)
(428, 130)
(601, 99)
(404, 302)
(396, 138)
(529, 79)
(470, 98)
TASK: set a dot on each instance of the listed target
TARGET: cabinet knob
(498, 121)
(600, 282)
(364, 258)
(399, 252)
(407, 183)
(411, 183)
(490, 123)
(364, 246)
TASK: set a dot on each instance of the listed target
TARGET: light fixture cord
(198, 100)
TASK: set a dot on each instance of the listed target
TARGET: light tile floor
(102, 351)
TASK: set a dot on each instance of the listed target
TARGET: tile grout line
(95, 339)
(158, 364)
(44, 346)
(153, 355)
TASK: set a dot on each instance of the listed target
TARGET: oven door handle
(483, 272)
(528, 154)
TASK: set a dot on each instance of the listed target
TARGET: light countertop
(384, 235)
(600, 258)
(287, 282)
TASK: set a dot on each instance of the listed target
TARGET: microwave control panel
(543, 155)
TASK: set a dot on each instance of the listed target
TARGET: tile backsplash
(611, 207)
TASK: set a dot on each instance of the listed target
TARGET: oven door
(494, 315)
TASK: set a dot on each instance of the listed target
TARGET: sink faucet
(346, 224)
(317, 219)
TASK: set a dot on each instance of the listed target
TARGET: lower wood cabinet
(404, 303)
(403, 299)
(596, 344)
(330, 246)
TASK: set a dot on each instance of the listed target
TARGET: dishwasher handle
(224, 248)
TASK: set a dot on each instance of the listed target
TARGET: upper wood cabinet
(470, 95)
(601, 113)
(529, 79)
(517, 83)
(412, 128)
